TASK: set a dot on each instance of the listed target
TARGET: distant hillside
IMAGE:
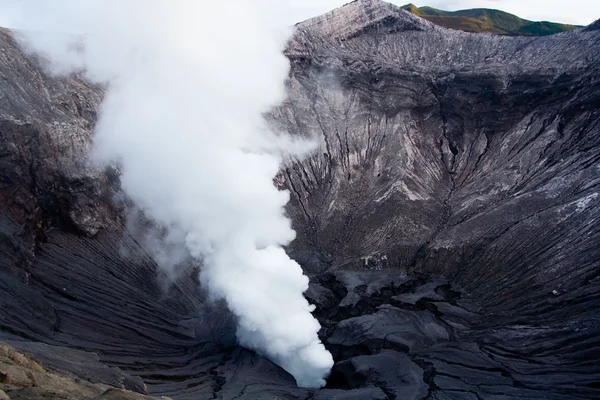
(488, 20)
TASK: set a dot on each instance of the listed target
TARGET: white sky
(580, 12)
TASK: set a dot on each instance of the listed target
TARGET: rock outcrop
(23, 378)
(448, 222)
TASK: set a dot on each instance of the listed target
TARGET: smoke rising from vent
(188, 82)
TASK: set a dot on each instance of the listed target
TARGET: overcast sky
(581, 12)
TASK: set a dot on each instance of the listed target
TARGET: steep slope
(488, 20)
(472, 156)
(449, 223)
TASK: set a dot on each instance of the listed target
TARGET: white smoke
(188, 82)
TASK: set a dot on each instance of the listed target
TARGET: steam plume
(188, 81)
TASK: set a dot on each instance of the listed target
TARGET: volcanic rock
(448, 222)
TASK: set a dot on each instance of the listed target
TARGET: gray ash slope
(449, 223)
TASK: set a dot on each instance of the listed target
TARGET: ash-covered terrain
(448, 223)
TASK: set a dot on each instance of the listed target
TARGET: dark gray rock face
(396, 373)
(449, 223)
(45, 131)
